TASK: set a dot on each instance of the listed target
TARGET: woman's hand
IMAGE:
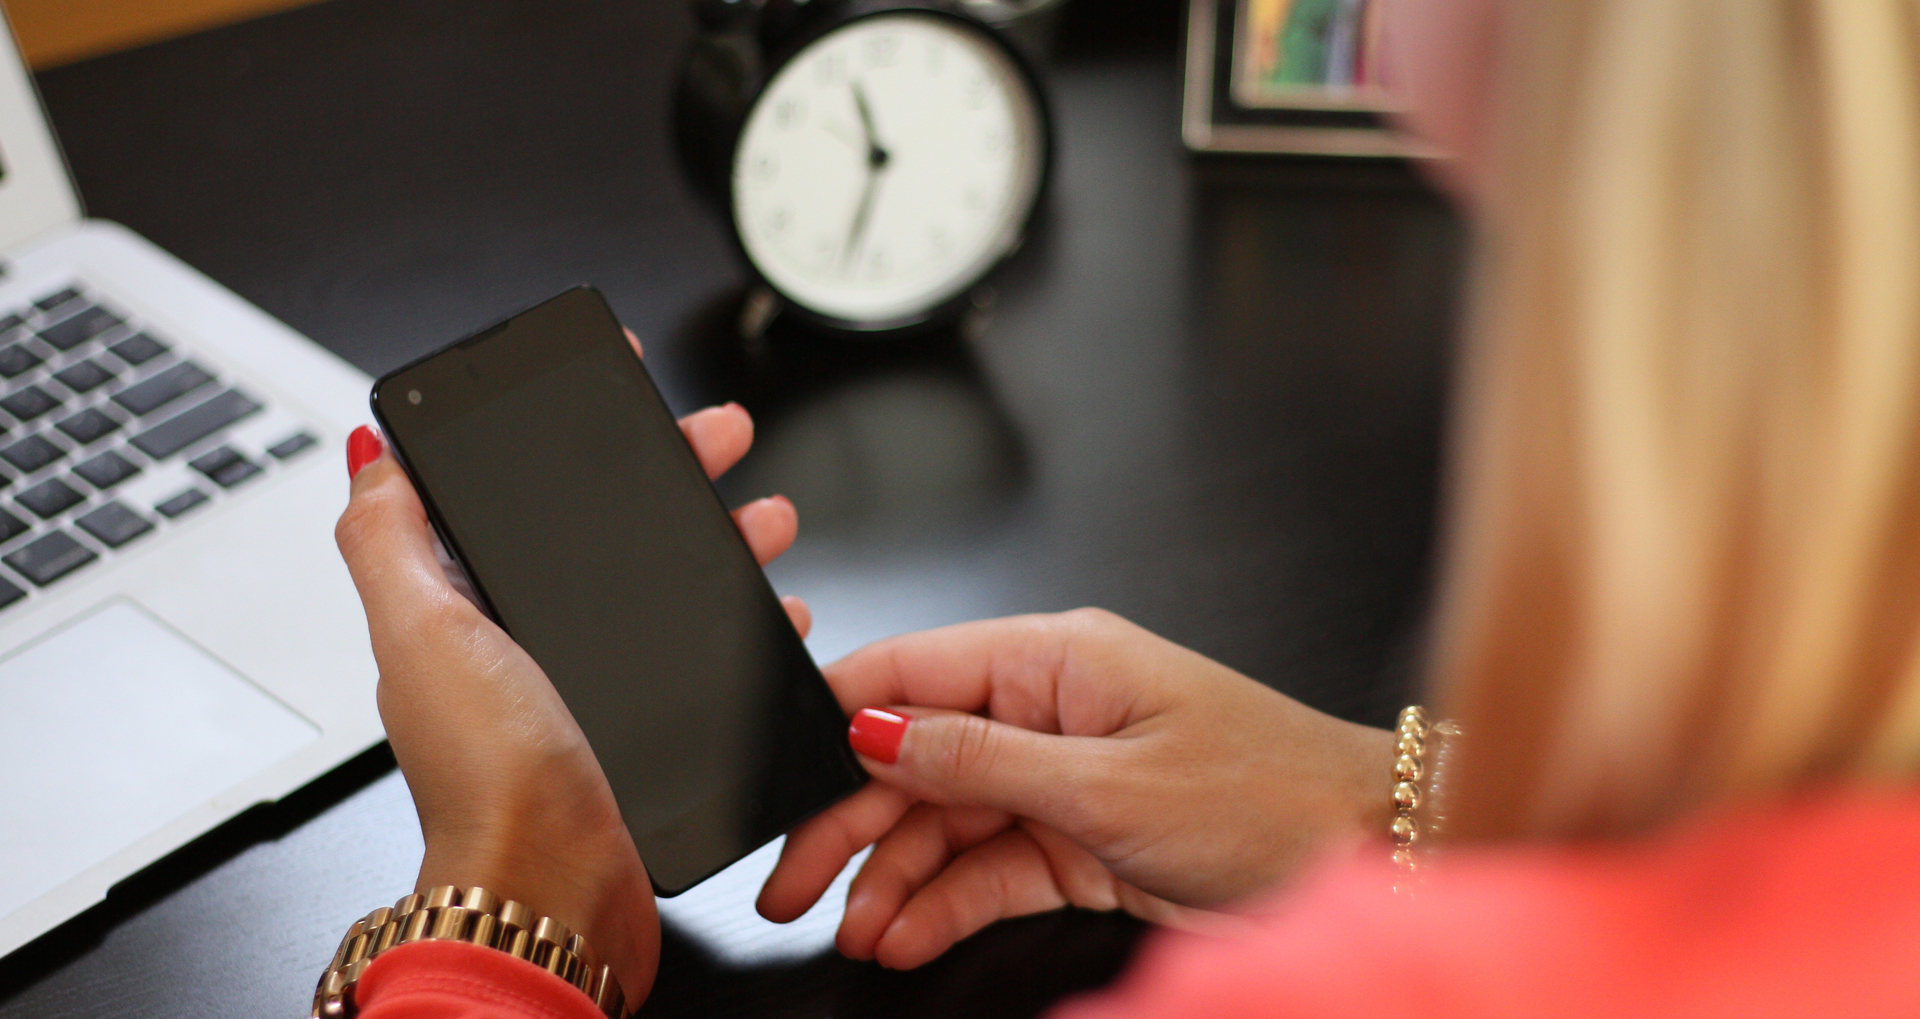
(1026, 764)
(509, 794)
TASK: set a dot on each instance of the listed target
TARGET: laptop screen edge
(36, 193)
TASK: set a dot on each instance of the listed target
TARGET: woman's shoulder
(1794, 907)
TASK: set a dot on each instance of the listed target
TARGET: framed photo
(1299, 76)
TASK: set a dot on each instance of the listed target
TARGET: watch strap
(477, 917)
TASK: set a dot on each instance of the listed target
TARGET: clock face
(887, 166)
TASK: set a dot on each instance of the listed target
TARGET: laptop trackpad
(110, 728)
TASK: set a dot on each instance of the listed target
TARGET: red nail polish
(876, 734)
(363, 447)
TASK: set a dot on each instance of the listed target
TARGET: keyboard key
(89, 425)
(114, 524)
(224, 466)
(17, 360)
(106, 470)
(82, 377)
(138, 349)
(292, 446)
(162, 389)
(188, 427)
(11, 527)
(181, 503)
(29, 403)
(10, 323)
(56, 299)
(48, 558)
(81, 327)
(50, 498)
(10, 593)
(32, 453)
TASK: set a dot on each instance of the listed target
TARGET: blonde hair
(1684, 547)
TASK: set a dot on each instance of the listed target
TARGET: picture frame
(1287, 76)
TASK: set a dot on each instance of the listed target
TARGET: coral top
(1799, 908)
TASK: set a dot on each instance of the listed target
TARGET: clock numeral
(975, 92)
(940, 240)
(998, 141)
(883, 50)
(764, 168)
(830, 68)
(779, 221)
(789, 112)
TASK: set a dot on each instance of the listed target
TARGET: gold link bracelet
(478, 917)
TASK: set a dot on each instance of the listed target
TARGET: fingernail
(363, 447)
(876, 734)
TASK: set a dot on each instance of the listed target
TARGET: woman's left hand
(509, 793)
(1030, 763)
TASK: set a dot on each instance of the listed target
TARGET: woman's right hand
(1073, 759)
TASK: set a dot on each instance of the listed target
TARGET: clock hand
(860, 217)
(876, 161)
(838, 130)
(876, 155)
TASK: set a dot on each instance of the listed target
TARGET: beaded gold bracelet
(1421, 749)
(477, 917)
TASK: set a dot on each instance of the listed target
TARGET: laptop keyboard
(89, 401)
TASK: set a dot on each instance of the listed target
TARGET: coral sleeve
(451, 980)
(1798, 908)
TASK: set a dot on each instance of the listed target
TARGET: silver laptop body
(178, 637)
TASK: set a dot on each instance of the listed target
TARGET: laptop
(178, 637)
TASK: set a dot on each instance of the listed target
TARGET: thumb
(957, 759)
(386, 541)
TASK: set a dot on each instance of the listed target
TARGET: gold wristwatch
(477, 917)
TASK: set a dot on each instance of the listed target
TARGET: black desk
(1207, 397)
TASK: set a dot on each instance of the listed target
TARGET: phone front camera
(413, 397)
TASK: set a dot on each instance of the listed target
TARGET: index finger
(962, 667)
(1065, 673)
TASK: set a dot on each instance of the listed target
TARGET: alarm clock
(875, 161)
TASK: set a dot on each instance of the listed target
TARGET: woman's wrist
(1370, 764)
(580, 879)
(545, 885)
(1342, 799)
(554, 847)
(561, 882)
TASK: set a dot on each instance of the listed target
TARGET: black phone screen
(558, 477)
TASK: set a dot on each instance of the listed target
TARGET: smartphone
(560, 482)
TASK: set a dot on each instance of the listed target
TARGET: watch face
(887, 166)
